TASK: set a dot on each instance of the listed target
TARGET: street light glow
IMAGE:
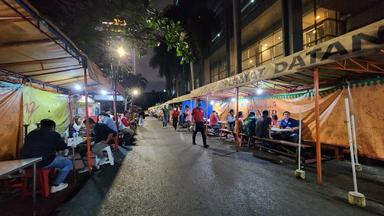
(121, 51)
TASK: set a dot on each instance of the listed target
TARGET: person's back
(213, 119)
(250, 125)
(262, 126)
(42, 143)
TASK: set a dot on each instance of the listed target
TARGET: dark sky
(155, 82)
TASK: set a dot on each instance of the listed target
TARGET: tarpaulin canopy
(33, 49)
(344, 57)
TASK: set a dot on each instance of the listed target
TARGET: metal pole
(237, 119)
(88, 128)
(353, 126)
(206, 121)
(114, 103)
(299, 150)
(317, 116)
(350, 138)
(34, 189)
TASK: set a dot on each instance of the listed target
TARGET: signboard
(366, 40)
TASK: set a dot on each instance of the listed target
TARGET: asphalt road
(166, 175)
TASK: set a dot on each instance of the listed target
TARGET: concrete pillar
(292, 26)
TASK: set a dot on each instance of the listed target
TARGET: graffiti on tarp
(30, 109)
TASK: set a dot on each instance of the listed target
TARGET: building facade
(272, 29)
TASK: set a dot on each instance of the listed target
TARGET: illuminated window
(319, 27)
(267, 49)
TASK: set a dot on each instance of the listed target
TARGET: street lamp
(135, 92)
(121, 51)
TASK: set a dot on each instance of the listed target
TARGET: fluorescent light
(259, 91)
(233, 99)
(103, 92)
(77, 87)
(252, 1)
(212, 102)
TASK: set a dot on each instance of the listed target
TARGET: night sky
(155, 82)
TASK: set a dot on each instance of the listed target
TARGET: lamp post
(121, 53)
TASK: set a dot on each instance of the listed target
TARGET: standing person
(165, 116)
(175, 117)
(44, 142)
(141, 117)
(198, 120)
(188, 116)
(231, 120)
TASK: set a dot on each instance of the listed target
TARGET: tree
(95, 24)
(200, 24)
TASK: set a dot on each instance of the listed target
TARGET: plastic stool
(110, 160)
(42, 182)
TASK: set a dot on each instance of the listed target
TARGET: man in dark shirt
(198, 119)
(44, 142)
(263, 125)
(101, 135)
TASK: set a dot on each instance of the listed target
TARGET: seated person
(44, 142)
(107, 120)
(263, 125)
(231, 120)
(101, 135)
(76, 126)
(250, 125)
(289, 123)
(275, 121)
(214, 120)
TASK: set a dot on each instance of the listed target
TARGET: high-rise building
(271, 29)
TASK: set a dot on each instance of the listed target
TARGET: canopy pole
(317, 116)
(237, 120)
(114, 106)
(87, 126)
(206, 121)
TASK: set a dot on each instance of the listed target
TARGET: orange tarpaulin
(11, 120)
(367, 105)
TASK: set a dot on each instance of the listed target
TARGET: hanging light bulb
(259, 91)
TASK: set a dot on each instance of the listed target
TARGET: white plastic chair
(108, 159)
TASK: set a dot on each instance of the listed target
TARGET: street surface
(166, 175)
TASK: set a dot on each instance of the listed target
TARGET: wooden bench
(337, 150)
(224, 132)
(283, 144)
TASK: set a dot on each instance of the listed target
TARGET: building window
(267, 49)
(320, 27)
(218, 70)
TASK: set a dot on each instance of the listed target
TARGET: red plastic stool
(42, 182)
